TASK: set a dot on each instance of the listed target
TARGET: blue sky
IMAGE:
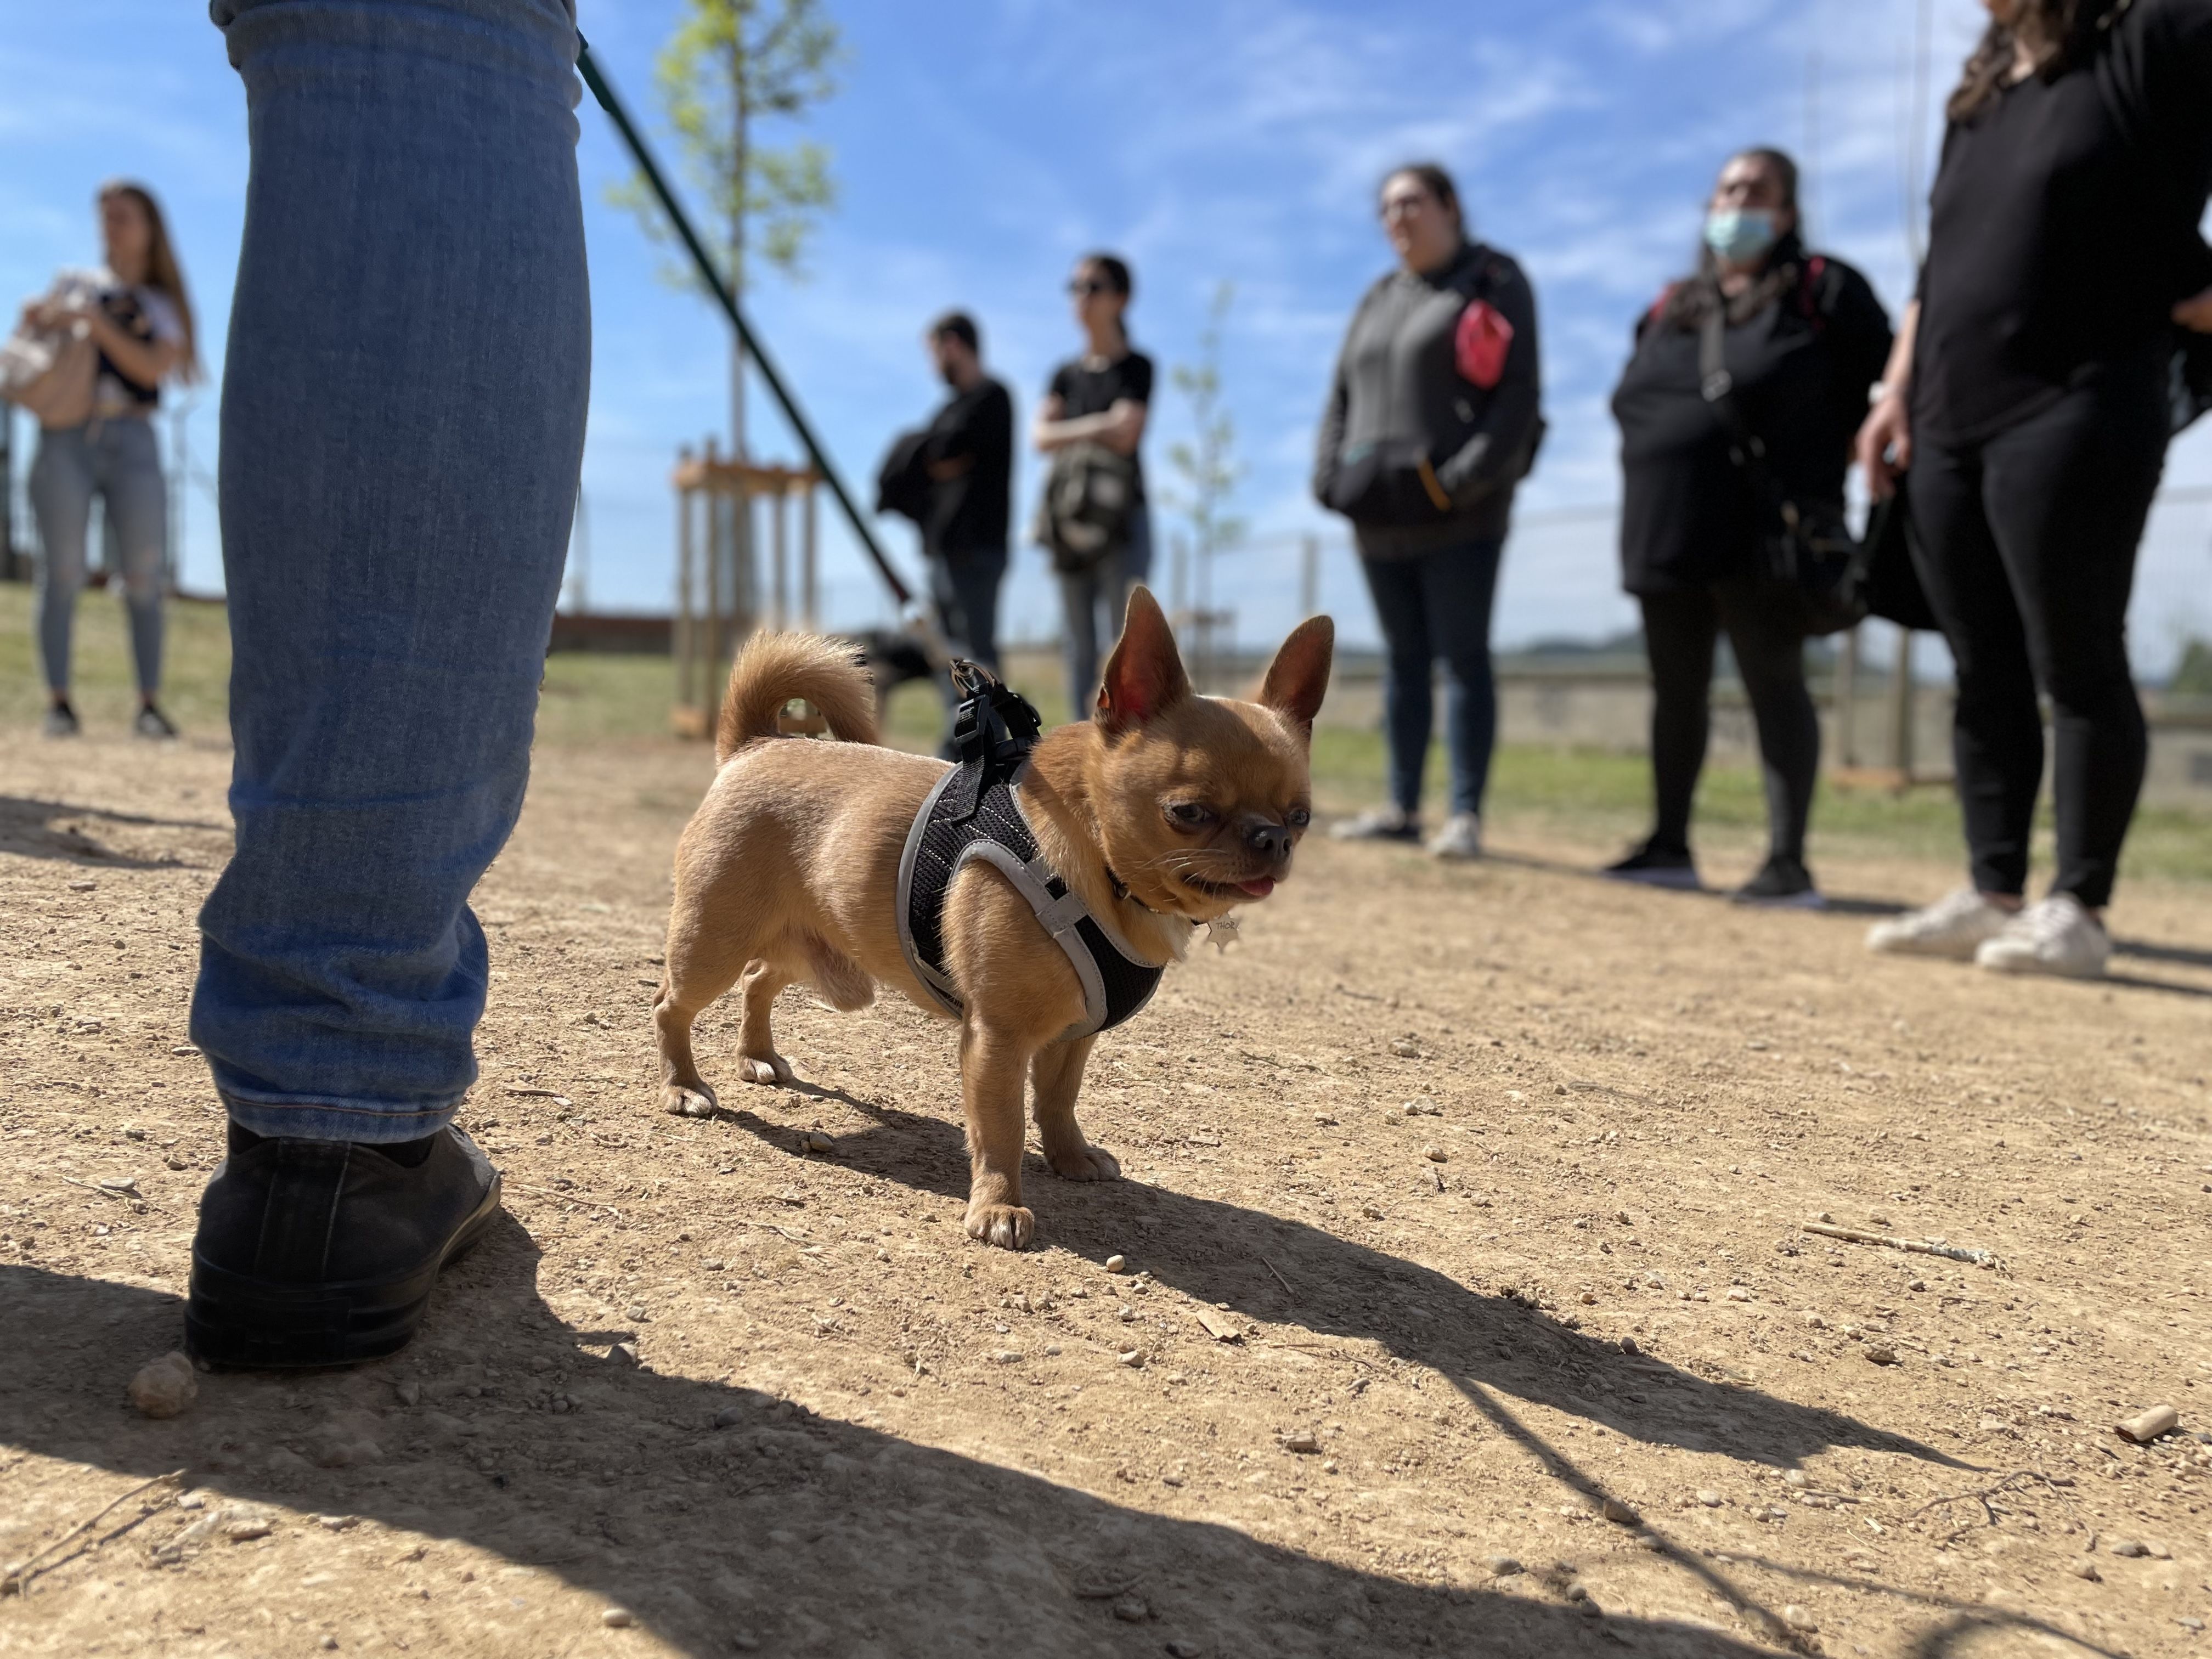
(980, 144)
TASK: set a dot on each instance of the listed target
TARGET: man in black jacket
(968, 454)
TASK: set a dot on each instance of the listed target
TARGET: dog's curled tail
(773, 668)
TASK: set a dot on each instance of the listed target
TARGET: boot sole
(243, 1323)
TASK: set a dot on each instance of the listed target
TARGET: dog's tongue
(1259, 889)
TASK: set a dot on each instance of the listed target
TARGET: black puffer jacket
(1399, 399)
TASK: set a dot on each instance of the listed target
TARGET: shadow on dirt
(807, 1534)
(44, 829)
(1287, 1273)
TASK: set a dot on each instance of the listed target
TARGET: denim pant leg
(1459, 587)
(62, 483)
(963, 587)
(128, 458)
(1136, 561)
(402, 426)
(1408, 693)
(1083, 594)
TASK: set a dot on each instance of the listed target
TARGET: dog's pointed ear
(1299, 677)
(1144, 675)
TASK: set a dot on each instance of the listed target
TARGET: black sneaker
(152, 723)
(323, 1252)
(1783, 884)
(61, 721)
(1658, 866)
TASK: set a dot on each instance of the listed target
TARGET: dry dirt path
(769, 1400)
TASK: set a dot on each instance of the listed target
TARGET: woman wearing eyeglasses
(1431, 423)
(1098, 402)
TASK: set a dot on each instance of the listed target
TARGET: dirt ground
(1461, 1223)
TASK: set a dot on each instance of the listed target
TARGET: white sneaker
(1459, 838)
(1956, 927)
(2057, 936)
(1378, 823)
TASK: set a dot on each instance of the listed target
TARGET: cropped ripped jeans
(403, 427)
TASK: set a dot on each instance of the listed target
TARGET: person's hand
(1884, 445)
(2195, 313)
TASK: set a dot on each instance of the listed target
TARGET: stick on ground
(1918, 1246)
(12, 1583)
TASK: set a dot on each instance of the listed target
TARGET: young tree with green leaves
(1207, 466)
(729, 65)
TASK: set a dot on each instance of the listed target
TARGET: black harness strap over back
(973, 813)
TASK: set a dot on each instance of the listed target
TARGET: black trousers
(2026, 544)
(1680, 631)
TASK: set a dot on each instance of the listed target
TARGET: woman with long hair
(1801, 337)
(1431, 421)
(134, 308)
(1101, 397)
(2031, 395)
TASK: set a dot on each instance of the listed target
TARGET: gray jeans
(1100, 595)
(116, 459)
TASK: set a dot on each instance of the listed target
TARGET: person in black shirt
(1101, 397)
(2030, 395)
(969, 452)
(1804, 338)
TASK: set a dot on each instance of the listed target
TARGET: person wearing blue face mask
(1803, 337)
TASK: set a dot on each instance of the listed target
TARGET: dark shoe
(61, 721)
(1658, 866)
(323, 1252)
(1781, 883)
(152, 723)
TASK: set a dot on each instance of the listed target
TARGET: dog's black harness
(972, 813)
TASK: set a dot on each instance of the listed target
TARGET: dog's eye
(1191, 815)
(1297, 818)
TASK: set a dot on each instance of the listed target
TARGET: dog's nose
(1269, 841)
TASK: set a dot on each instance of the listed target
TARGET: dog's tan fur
(788, 872)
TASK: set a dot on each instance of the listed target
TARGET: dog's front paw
(679, 1101)
(770, 1069)
(1006, 1225)
(1085, 1164)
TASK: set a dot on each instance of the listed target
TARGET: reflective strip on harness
(1115, 984)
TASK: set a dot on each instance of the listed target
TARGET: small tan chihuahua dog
(1164, 810)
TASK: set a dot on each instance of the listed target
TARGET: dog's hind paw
(1085, 1163)
(770, 1069)
(680, 1101)
(1006, 1225)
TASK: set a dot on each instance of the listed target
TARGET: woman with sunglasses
(1431, 422)
(1100, 397)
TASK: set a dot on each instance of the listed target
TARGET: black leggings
(2028, 547)
(1679, 629)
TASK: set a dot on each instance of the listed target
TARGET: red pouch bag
(1480, 343)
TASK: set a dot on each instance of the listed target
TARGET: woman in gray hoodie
(1432, 419)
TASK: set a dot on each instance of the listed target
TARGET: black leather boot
(323, 1252)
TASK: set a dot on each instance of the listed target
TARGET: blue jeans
(1100, 593)
(119, 461)
(1437, 606)
(963, 591)
(403, 427)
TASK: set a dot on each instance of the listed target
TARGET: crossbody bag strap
(1717, 386)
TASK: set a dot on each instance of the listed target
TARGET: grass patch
(1587, 799)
